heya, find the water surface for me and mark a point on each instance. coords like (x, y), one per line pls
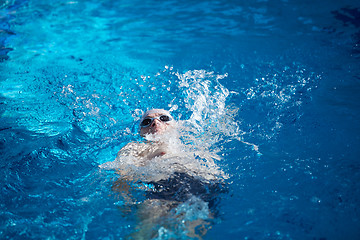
(272, 85)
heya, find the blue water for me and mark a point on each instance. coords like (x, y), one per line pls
(76, 75)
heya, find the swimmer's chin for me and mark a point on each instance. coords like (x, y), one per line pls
(160, 136)
(154, 137)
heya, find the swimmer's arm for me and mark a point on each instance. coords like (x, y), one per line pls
(122, 186)
(142, 152)
(128, 150)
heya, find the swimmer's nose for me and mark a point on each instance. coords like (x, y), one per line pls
(155, 122)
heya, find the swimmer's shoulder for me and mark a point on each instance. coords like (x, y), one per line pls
(132, 145)
(131, 149)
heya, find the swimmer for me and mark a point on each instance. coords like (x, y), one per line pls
(157, 126)
(175, 177)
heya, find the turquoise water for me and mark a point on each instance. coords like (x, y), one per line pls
(272, 85)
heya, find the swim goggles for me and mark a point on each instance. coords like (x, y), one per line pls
(148, 121)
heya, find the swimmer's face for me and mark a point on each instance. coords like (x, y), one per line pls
(156, 122)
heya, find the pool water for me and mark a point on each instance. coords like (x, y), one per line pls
(272, 86)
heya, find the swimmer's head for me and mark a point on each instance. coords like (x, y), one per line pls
(156, 121)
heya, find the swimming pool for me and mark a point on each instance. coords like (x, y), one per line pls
(272, 85)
